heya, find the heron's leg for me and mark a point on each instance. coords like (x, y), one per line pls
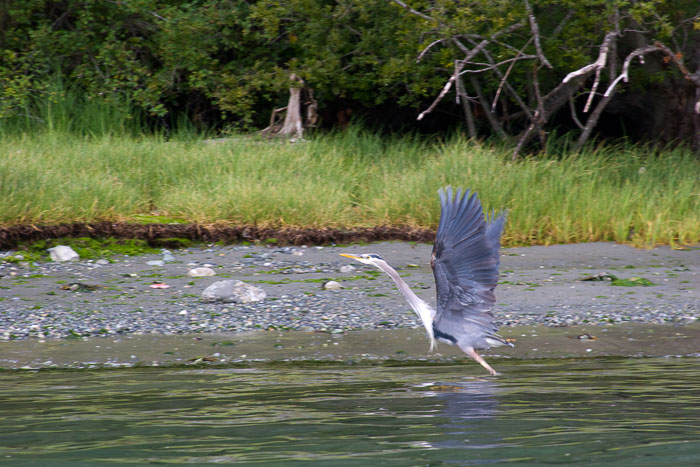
(472, 353)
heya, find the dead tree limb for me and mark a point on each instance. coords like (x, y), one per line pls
(592, 120)
(540, 116)
(657, 47)
(504, 53)
(412, 11)
(537, 122)
(425, 50)
(504, 77)
(599, 63)
(443, 93)
(511, 91)
(490, 116)
(488, 67)
(574, 117)
(596, 66)
(469, 54)
(466, 107)
(536, 35)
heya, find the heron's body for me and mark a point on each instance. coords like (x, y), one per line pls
(465, 262)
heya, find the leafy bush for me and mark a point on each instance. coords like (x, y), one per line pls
(228, 61)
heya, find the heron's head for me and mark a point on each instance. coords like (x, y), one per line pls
(366, 259)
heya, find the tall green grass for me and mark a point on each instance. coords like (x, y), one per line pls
(351, 179)
(62, 108)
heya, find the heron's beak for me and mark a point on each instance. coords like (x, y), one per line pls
(349, 256)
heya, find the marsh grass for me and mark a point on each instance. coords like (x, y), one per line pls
(62, 108)
(356, 178)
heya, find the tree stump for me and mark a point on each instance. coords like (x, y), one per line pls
(300, 112)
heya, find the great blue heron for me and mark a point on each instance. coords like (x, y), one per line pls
(465, 263)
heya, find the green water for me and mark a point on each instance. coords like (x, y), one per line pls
(643, 411)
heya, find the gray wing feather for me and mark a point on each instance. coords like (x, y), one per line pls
(465, 262)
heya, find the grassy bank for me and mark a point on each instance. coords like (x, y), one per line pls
(353, 179)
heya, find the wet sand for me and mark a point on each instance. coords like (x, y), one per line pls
(373, 346)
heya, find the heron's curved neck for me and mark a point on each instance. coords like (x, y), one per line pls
(403, 287)
(424, 311)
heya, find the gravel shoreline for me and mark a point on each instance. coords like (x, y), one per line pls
(538, 286)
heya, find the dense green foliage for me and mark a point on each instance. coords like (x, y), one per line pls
(229, 60)
(199, 57)
(349, 179)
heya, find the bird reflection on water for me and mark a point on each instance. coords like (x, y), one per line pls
(467, 407)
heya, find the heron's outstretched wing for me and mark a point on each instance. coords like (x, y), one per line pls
(465, 263)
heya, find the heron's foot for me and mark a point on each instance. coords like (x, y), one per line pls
(472, 353)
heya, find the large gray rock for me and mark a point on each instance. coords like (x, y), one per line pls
(63, 253)
(233, 291)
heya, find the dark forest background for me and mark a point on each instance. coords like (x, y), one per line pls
(514, 70)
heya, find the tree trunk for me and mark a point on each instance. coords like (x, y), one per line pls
(293, 125)
(295, 120)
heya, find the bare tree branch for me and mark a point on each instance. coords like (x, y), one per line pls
(678, 60)
(420, 56)
(490, 116)
(460, 63)
(480, 46)
(445, 90)
(562, 23)
(593, 118)
(535, 110)
(640, 52)
(536, 35)
(461, 46)
(496, 65)
(524, 138)
(505, 77)
(574, 117)
(412, 11)
(598, 64)
(540, 117)
(511, 91)
(120, 3)
(611, 88)
(466, 106)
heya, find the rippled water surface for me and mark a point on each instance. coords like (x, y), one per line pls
(642, 411)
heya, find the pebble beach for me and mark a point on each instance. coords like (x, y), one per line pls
(153, 294)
